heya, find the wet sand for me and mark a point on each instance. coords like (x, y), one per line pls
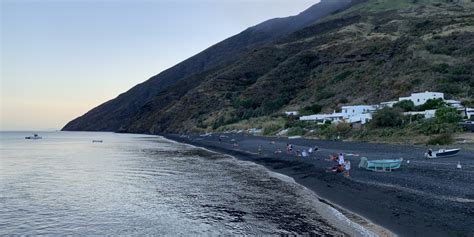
(422, 198)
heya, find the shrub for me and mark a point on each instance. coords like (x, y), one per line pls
(313, 109)
(341, 128)
(443, 139)
(405, 105)
(431, 104)
(296, 131)
(270, 129)
(447, 115)
(387, 117)
(467, 103)
(431, 126)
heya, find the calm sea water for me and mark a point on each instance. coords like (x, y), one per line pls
(137, 184)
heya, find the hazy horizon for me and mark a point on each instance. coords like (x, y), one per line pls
(61, 59)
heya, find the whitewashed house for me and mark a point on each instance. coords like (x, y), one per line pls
(427, 113)
(350, 114)
(469, 112)
(358, 109)
(322, 118)
(363, 113)
(360, 118)
(294, 113)
(453, 103)
(388, 104)
(422, 97)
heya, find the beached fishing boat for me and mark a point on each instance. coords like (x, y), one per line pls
(380, 165)
(441, 153)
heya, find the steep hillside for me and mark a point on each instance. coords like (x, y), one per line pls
(372, 52)
(117, 113)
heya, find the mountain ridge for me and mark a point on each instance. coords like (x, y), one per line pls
(374, 51)
(116, 114)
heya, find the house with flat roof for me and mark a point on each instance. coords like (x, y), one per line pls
(422, 97)
(350, 114)
(294, 113)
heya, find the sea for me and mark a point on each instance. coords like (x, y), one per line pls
(130, 184)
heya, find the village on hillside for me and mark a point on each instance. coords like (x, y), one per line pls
(362, 114)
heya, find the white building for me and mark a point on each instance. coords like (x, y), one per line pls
(360, 118)
(421, 98)
(357, 109)
(322, 118)
(294, 113)
(469, 112)
(350, 114)
(363, 113)
(453, 103)
(427, 113)
(388, 104)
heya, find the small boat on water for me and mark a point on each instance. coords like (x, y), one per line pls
(380, 165)
(441, 153)
(97, 141)
(35, 136)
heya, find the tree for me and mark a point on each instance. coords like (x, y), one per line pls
(313, 109)
(405, 105)
(432, 104)
(447, 115)
(388, 117)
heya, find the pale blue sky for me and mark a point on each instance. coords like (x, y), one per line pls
(59, 59)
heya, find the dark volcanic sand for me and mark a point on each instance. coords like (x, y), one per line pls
(422, 198)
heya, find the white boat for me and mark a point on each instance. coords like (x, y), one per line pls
(35, 136)
(97, 141)
(441, 153)
(295, 137)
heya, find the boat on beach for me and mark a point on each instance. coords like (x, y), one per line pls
(380, 165)
(441, 153)
(34, 137)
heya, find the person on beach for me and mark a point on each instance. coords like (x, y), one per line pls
(287, 148)
(340, 159)
(332, 158)
(310, 150)
(347, 168)
(340, 163)
(298, 153)
(338, 169)
(304, 153)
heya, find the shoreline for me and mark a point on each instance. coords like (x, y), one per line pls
(401, 208)
(353, 223)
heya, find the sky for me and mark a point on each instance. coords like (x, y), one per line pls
(59, 59)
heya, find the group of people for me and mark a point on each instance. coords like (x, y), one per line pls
(303, 153)
(343, 166)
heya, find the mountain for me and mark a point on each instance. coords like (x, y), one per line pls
(371, 51)
(117, 113)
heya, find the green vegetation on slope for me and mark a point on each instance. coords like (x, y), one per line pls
(352, 57)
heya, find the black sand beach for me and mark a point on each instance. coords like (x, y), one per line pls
(422, 198)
